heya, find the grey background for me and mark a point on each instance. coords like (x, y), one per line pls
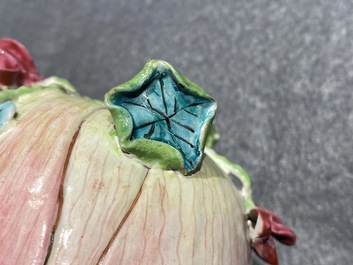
(282, 72)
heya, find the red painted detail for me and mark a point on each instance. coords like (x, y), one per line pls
(16, 65)
(271, 226)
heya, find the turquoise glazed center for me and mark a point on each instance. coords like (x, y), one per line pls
(162, 110)
(7, 110)
(162, 117)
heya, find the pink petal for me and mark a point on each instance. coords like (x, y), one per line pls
(34, 148)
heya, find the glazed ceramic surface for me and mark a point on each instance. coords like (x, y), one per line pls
(125, 181)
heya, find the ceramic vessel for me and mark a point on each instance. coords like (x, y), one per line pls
(131, 180)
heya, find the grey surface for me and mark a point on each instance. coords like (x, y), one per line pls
(282, 72)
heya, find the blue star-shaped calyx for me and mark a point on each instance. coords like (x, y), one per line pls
(162, 116)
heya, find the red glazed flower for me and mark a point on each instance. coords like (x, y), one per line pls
(16, 65)
(264, 226)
